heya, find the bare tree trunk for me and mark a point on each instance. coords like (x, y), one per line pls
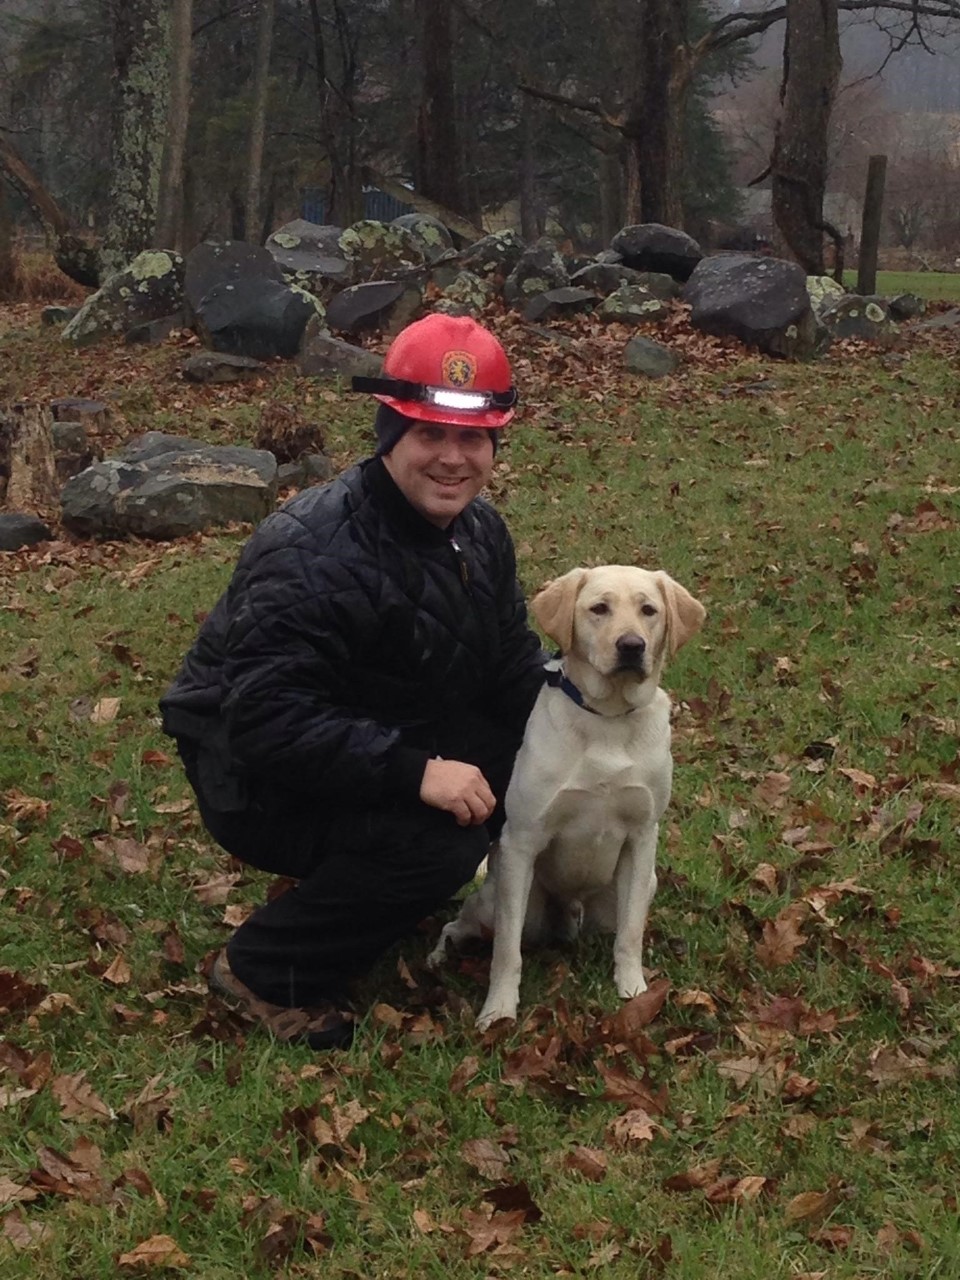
(170, 213)
(811, 71)
(337, 126)
(258, 118)
(529, 219)
(8, 274)
(611, 212)
(654, 124)
(28, 476)
(633, 186)
(438, 153)
(141, 53)
(79, 261)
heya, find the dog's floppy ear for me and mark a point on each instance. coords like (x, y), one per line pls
(553, 607)
(685, 615)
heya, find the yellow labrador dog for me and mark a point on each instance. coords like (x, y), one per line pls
(590, 782)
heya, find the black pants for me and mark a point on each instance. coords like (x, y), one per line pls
(364, 880)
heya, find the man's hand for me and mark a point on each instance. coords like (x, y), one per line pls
(458, 788)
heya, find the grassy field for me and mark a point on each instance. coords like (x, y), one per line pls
(936, 286)
(785, 1102)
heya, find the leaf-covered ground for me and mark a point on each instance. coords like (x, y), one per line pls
(782, 1102)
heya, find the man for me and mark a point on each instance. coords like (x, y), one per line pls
(349, 713)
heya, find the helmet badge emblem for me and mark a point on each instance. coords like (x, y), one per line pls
(458, 369)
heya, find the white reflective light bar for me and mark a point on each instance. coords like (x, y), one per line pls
(462, 400)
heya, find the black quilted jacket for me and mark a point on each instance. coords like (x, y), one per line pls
(356, 640)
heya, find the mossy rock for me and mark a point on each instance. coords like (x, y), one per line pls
(539, 270)
(376, 251)
(632, 304)
(149, 288)
(824, 292)
(430, 234)
(494, 255)
(466, 296)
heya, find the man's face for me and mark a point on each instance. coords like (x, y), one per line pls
(440, 469)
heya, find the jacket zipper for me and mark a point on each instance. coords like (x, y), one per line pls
(461, 564)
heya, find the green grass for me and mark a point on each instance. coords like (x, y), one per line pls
(937, 286)
(818, 521)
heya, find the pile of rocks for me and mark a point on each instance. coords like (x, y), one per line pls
(158, 486)
(312, 291)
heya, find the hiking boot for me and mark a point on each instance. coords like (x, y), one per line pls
(321, 1027)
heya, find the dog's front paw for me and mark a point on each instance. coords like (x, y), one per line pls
(630, 981)
(491, 1013)
(440, 954)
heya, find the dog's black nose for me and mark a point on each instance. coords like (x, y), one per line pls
(631, 648)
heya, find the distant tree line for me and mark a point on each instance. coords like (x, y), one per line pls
(160, 122)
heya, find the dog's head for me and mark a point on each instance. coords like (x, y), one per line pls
(615, 626)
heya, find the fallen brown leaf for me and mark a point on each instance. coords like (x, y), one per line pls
(695, 1179)
(77, 1098)
(487, 1157)
(488, 1232)
(587, 1161)
(22, 1233)
(118, 973)
(15, 1192)
(464, 1073)
(782, 938)
(633, 1126)
(156, 1252)
(810, 1206)
(105, 711)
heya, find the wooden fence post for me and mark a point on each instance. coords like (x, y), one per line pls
(870, 227)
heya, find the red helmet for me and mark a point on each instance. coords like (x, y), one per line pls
(446, 369)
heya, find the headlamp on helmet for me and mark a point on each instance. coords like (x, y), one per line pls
(446, 369)
(439, 397)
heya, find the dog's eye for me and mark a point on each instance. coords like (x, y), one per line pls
(599, 608)
(649, 611)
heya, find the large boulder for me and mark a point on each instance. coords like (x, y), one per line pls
(603, 277)
(465, 295)
(539, 268)
(309, 256)
(649, 359)
(56, 316)
(166, 486)
(495, 255)
(17, 529)
(650, 246)
(321, 355)
(216, 263)
(907, 306)
(432, 236)
(554, 304)
(376, 251)
(255, 317)
(632, 304)
(150, 288)
(866, 318)
(824, 292)
(153, 332)
(762, 301)
(378, 304)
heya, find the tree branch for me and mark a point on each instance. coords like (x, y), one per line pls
(590, 105)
